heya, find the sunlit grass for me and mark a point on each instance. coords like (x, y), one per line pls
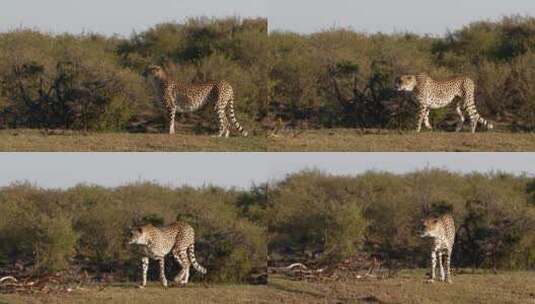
(391, 140)
(411, 287)
(35, 140)
(406, 287)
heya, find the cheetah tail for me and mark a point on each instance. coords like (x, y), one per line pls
(485, 123)
(234, 120)
(475, 116)
(193, 260)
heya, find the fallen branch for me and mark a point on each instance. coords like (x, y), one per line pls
(297, 270)
(11, 278)
(357, 267)
(294, 265)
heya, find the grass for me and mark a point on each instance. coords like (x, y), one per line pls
(34, 140)
(193, 293)
(307, 141)
(338, 140)
(410, 287)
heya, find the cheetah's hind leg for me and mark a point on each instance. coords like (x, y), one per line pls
(460, 123)
(421, 116)
(473, 125)
(223, 122)
(426, 120)
(181, 257)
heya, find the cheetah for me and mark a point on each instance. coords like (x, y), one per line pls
(435, 94)
(182, 98)
(442, 231)
(177, 238)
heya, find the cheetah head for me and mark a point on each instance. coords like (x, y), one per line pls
(138, 236)
(154, 71)
(431, 228)
(406, 83)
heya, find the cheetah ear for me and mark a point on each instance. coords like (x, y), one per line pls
(420, 78)
(167, 65)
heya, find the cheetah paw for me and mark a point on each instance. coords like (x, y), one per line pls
(180, 283)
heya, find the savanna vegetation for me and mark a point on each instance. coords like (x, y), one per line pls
(297, 89)
(407, 287)
(333, 78)
(308, 216)
(322, 219)
(83, 231)
(92, 82)
(340, 78)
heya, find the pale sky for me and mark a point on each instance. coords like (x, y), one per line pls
(417, 16)
(116, 16)
(305, 16)
(61, 170)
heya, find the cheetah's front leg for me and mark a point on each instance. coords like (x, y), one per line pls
(171, 116)
(440, 266)
(433, 266)
(144, 269)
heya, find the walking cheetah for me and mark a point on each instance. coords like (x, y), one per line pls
(189, 98)
(177, 238)
(442, 231)
(434, 94)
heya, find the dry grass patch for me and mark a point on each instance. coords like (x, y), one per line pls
(410, 287)
(390, 140)
(154, 293)
(35, 140)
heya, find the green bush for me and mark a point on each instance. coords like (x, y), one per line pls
(54, 243)
(88, 226)
(65, 82)
(342, 78)
(91, 82)
(204, 49)
(312, 215)
(32, 231)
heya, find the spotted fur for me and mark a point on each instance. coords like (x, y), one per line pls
(177, 238)
(434, 94)
(442, 232)
(182, 98)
